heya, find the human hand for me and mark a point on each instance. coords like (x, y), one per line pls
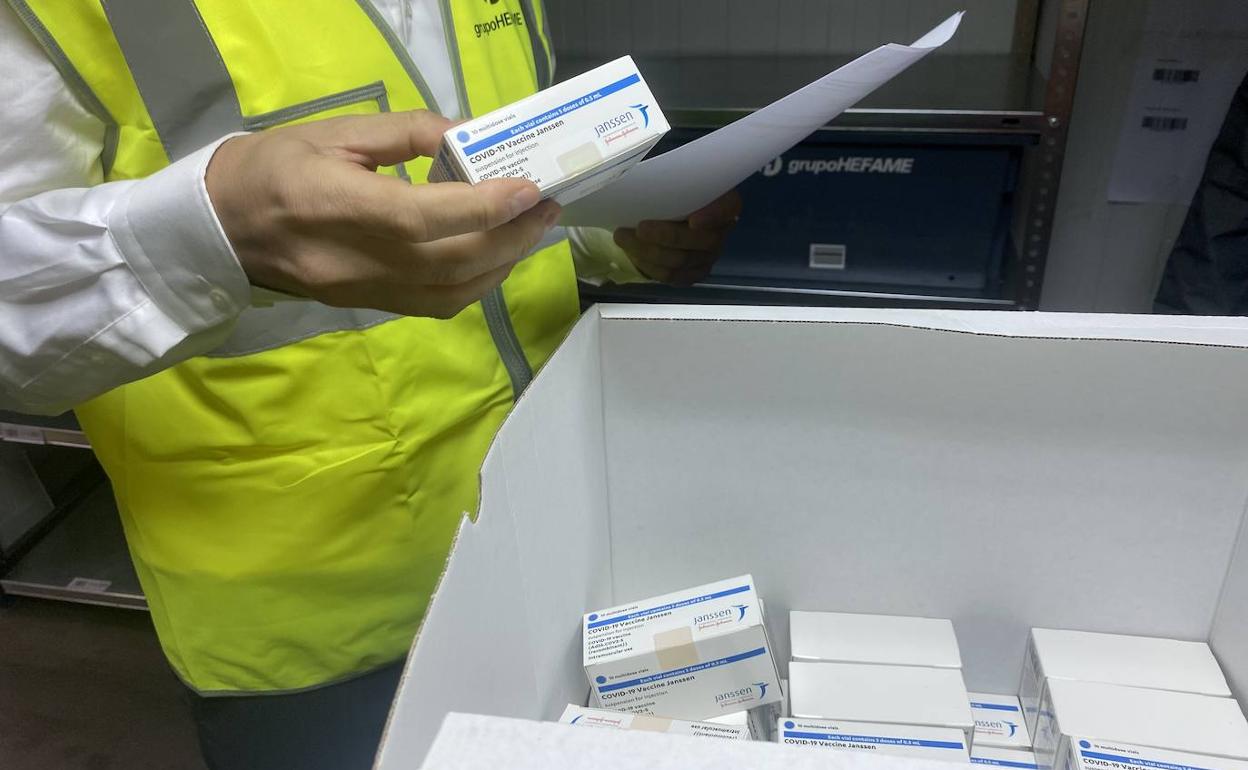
(681, 253)
(307, 215)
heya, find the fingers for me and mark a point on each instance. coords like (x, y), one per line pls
(384, 139)
(385, 206)
(718, 214)
(678, 235)
(448, 301)
(461, 258)
(663, 263)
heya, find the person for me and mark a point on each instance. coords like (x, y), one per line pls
(289, 354)
(1207, 273)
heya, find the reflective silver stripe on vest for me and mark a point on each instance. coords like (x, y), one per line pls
(179, 72)
(266, 328)
(542, 62)
(191, 99)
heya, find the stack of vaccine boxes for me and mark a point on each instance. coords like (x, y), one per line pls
(1110, 702)
(698, 655)
(877, 683)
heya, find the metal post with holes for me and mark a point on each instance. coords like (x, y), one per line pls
(1043, 170)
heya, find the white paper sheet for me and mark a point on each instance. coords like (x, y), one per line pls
(679, 182)
(1192, 57)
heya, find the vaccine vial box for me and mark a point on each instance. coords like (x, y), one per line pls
(845, 637)
(937, 743)
(1101, 755)
(906, 695)
(1136, 661)
(1179, 721)
(695, 654)
(999, 721)
(570, 139)
(1019, 759)
(587, 717)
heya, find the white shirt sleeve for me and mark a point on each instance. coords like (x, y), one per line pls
(100, 283)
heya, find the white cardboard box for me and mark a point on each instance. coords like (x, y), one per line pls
(1161, 664)
(894, 457)
(570, 139)
(1200, 724)
(692, 654)
(469, 742)
(1099, 755)
(846, 637)
(616, 720)
(906, 695)
(999, 721)
(938, 743)
(1021, 759)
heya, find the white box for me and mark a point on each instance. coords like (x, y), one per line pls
(1022, 759)
(468, 742)
(693, 654)
(891, 457)
(999, 721)
(1181, 721)
(587, 717)
(938, 743)
(908, 695)
(570, 139)
(1100, 755)
(844, 637)
(1137, 661)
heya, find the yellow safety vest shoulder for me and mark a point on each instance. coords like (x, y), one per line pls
(290, 498)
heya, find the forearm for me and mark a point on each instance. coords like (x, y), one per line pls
(104, 285)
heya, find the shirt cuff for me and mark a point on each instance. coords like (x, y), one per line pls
(599, 260)
(170, 236)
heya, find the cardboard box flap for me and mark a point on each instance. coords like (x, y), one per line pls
(469, 742)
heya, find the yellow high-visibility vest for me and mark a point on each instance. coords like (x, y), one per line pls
(290, 498)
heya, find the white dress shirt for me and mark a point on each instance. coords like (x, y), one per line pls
(104, 283)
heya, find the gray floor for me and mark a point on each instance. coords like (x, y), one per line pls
(87, 688)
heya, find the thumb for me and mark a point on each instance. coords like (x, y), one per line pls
(381, 140)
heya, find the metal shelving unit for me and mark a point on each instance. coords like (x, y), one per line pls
(81, 557)
(78, 551)
(1026, 92)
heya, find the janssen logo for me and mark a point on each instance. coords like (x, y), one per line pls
(1009, 728)
(755, 692)
(619, 121)
(733, 614)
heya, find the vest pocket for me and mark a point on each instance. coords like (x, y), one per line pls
(369, 99)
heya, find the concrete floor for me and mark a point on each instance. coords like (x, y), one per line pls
(87, 688)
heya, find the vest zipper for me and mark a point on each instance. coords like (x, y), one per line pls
(498, 320)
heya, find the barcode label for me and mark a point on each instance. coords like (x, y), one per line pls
(1156, 123)
(88, 585)
(1166, 75)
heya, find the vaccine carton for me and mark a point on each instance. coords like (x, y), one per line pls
(1179, 721)
(695, 654)
(905, 695)
(1135, 661)
(1019, 759)
(999, 721)
(1101, 755)
(587, 717)
(895, 740)
(846, 637)
(570, 139)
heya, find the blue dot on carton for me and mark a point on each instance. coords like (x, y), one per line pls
(1085, 744)
(600, 680)
(788, 725)
(593, 616)
(462, 136)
